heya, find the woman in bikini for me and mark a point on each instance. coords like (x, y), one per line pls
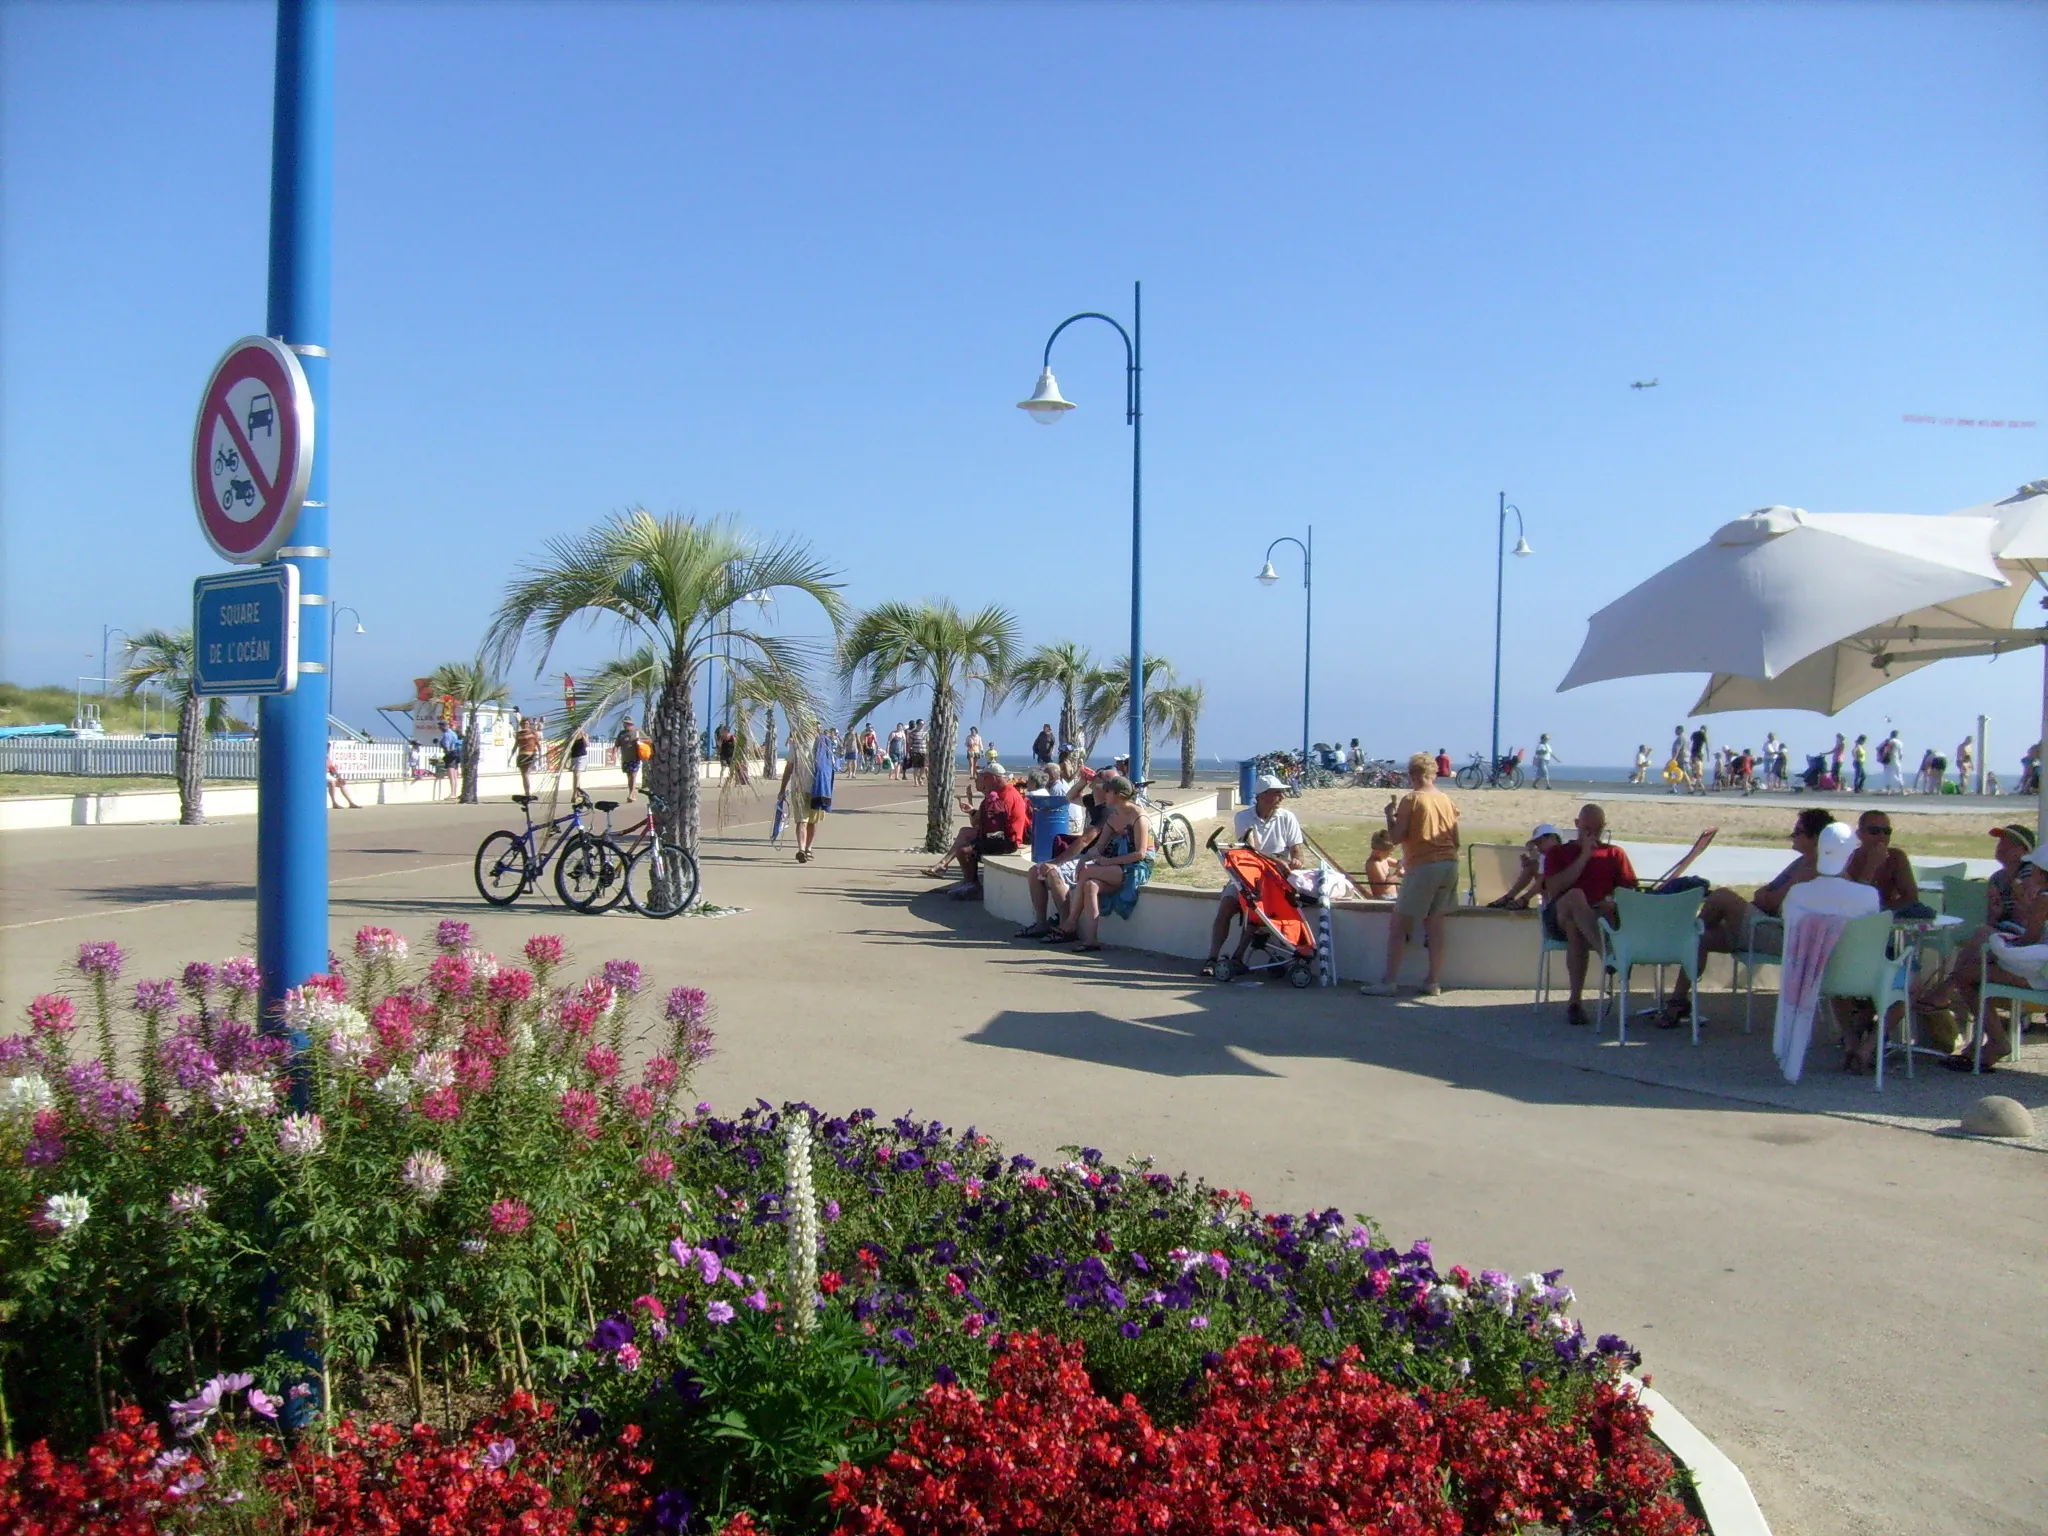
(1110, 871)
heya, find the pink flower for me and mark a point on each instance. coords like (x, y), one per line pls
(629, 1357)
(622, 976)
(379, 944)
(601, 1063)
(450, 975)
(262, 1404)
(509, 1218)
(578, 1019)
(581, 1113)
(241, 976)
(513, 986)
(687, 1005)
(652, 1306)
(443, 1104)
(659, 1167)
(954, 1283)
(1037, 1181)
(51, 1015)
(546, 949)
(639, 1103)
(393, 1021)
(973, 1324)
(661, 1074)
(452, 936)
(697, 1044)
(199, 979)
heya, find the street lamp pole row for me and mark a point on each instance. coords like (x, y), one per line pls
(1522, 550)
(1267, 577)
(1046, 407)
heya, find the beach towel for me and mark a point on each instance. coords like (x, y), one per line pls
(1809, 941)
(2029, 962)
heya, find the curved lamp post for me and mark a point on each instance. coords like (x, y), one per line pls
(333, 624)
(1046, 407)
(1267, 577)
(1522, 549)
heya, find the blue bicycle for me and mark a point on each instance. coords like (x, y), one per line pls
(509, 864)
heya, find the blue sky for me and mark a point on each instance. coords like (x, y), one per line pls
(797, 263)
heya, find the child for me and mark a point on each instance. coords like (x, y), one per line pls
(1383, 869)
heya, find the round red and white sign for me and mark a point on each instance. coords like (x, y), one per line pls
(252, 450)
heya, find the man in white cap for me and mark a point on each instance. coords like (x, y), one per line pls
(1529, 880)
(1831, 900)
(1265, 826)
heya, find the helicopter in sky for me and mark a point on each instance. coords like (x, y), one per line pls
(1644, 384)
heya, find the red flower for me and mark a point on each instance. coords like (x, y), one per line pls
(829, 1282)
(443, 1104)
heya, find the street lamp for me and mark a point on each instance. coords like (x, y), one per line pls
(1500, 535)
(107, 632)
(334, 619)
(1046, 406)
(1267, 577)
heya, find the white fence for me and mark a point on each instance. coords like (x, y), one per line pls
(91, 757)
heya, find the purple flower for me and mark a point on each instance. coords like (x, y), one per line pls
(1198, 1321)
(107, 1102)
(241, 976)
(758, 1300)
(187, 1062)
(188, 1202)
(499, 1453)
(262, 1404)
(686, 1005)
(100, 960)
(613, 1333)
(719, 1312)
(623, 976)
(190, 1416)
(199, 979)
(155, 996)
(452, 936)
(904, 1337)
(831, 1210)
(16, 1052)
(1130, 1330)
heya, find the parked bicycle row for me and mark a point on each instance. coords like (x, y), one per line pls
(594, 867)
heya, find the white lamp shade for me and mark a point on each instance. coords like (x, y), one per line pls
(359, 628)
(1045, 405)
(1268, 576)
(1522, 547)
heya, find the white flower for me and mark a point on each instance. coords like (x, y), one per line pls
(189, 1202)
(308, 1009)
(485, 966)
(424, 1174)
(348, 1038)
(23, 1098)
(301, 1135)
(433, 1071)
(242, 1093)
(394, 1087)
(1449, 1295)
(67, 1213)
(801, 1201)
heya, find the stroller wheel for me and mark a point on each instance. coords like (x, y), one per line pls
(1299, 976)
(1224, 969)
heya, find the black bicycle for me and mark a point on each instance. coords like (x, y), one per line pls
(1506, 774)
(596, 869)
(509, 864)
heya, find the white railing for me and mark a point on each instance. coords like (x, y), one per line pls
(96, 757)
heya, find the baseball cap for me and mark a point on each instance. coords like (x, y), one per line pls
(2023, 835)
(1545, 829)
(1836, 842)
(1270, 781)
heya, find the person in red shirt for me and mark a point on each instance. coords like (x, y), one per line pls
(1579, 881)
(1443, 765)
(1001, 824)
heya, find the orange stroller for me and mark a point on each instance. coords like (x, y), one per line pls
(1279, 937)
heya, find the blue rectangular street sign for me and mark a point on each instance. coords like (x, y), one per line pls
(245, 631)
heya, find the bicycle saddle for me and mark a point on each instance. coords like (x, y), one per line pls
(522, 799)
(606, 805)
(1146, 783)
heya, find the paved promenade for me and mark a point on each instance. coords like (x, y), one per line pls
(1854, 1311)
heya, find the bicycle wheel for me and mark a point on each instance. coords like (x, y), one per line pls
(1177, 840)
(1471, 776)
(590, 873)
(661, 880)
(1512, 779)
(502, 873)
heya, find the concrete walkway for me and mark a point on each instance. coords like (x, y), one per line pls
(1852, 1310)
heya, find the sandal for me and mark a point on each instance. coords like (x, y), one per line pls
(1674, 1015)
(1087, 949)
(1059, 936)
(1035, 931)
(1208, 969)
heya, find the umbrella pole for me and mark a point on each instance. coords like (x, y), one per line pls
(2040, 777)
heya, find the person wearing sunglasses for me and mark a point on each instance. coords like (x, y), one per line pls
(1728, 923)
(1877, 863)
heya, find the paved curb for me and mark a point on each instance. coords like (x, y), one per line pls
(1723, 1491)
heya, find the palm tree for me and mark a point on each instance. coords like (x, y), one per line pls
(676, 586)
(1180, 710)
(1060, 668)
(1108, 698)
(474, 685)
(898, 646)
(165, 657)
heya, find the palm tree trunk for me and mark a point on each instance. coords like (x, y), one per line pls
(191, 761)
(672, 770)
(1070, 721)
(938, 777)
(472, 741)
(1187, 757)
(768, 768)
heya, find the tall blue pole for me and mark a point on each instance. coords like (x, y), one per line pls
(291, 815)
(1500, 530)
(1137, 533)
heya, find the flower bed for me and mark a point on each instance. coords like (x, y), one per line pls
(465, 1195)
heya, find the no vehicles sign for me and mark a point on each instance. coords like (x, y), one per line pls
(252, 450)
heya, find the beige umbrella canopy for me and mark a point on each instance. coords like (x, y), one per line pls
(1976, 624)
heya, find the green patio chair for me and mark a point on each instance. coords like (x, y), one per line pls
(1546, 946)
(1931, 878)
(1654, 930)
(1863, 966)
(2021, 999)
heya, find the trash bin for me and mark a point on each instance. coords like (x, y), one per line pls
(1247, 775)
(1048, 821)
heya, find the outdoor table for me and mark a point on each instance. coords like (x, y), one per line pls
(1919, 930)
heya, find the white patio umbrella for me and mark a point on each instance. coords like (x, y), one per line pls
(1980, 624)
(1774, 587)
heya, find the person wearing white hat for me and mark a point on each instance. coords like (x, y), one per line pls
(1529, 879)
(1265, 826)
(1831, 900)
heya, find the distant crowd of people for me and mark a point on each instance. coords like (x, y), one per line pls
(1695, 765)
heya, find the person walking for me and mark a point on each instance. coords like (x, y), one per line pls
(1860, 761)
(1042, 745)
(1546, 754)
(916, 745)
(451, 759)
(1425, 823)
(1966, 755)
(579, 749)
(896, 750)
(1697, 763)
(628, 743)
(1642, 773)
(824, 775)
(1839, 751)
(526, 751)
(1891, 755)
